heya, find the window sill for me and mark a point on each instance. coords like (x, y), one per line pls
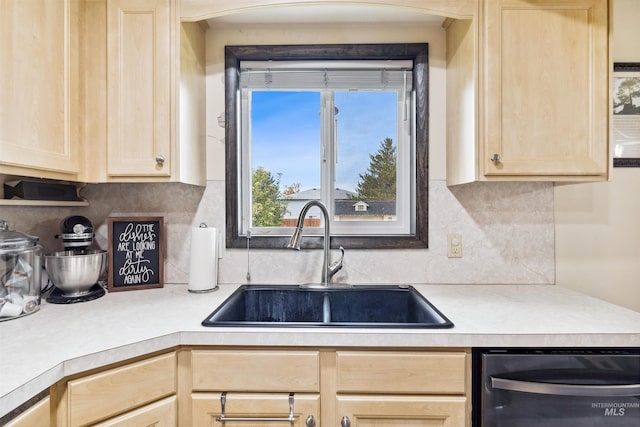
(347, 242)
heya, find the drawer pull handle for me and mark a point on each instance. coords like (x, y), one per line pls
(621, 390)
(160, 160)
(345, 422)
(495, 158)
(290, 419)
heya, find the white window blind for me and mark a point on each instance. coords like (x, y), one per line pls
(336, 75)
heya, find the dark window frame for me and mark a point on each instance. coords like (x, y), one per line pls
(418, 52)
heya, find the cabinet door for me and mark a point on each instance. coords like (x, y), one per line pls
(159, 414)
(139, 63)
(206, 407)
(544, 73)
(34, 89)
(115, 391)
(400, 411)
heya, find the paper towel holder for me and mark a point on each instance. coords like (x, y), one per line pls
(204, 268)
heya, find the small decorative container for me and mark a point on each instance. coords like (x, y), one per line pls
(20, 273)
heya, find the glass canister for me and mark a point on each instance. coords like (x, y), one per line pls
(20, 273)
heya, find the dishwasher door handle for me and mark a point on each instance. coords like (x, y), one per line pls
(623, 390)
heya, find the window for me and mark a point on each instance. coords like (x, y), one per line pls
(342, 124)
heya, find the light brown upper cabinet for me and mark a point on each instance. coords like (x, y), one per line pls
(139, 63)
(149, 53)
(527, 92)
(143, 93)
(36, 110)
(101, 91)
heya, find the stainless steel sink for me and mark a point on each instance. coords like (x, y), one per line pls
(348, 306)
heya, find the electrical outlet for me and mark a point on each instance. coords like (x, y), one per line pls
(454, 245)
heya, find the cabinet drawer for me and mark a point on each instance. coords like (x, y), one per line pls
(117, 390)
(263, 371)
(401, 372)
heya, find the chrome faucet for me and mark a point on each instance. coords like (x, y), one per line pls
(328, 271)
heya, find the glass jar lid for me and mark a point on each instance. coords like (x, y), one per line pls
(11, 240)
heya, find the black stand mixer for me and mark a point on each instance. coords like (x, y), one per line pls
(76, 271)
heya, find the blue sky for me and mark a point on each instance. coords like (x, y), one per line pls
(286, 134)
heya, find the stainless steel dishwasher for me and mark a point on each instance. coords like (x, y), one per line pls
(556, 388)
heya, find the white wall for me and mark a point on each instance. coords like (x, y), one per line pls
(598, 225)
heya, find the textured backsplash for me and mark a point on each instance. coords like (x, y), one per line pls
(507, 235)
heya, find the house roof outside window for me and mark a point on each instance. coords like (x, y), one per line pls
(346, 204)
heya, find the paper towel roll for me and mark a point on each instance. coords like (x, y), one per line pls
(203, 270)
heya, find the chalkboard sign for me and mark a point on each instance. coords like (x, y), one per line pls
(136, 253)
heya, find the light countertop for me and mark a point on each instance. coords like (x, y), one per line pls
(60, 340)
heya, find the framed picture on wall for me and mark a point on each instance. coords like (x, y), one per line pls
(136, 253)
(626, 114)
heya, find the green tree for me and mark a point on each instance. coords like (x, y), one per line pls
(267, 204)
(379, 182)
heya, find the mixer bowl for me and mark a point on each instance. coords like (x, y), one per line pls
(75, 273)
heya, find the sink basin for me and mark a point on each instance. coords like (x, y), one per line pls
(348, 306)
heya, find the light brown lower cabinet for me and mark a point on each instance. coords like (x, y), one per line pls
(400, 411)
(256, 409)
(163, 413)
(401, 388)
(37, 415)
(255, 385)
(346, 388)
(117, 396)
(249, 387)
